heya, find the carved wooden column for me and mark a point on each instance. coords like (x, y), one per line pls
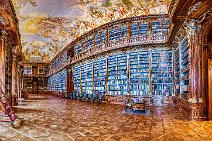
(68, 80)
(195, 74)
(128, 30)
(14, 80)
(1, 66)
(72, 80)
(2, 60)
(197, 105)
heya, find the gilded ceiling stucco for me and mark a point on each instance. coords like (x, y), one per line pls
(47, 26)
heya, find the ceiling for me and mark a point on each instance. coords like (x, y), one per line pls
(47, 26)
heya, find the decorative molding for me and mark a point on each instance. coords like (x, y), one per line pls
(194, 8)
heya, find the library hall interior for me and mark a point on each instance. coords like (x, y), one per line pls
(105, 70)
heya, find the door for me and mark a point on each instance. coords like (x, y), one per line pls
(210, 89)
(35, 87)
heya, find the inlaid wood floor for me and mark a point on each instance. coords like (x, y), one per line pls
(52, 118)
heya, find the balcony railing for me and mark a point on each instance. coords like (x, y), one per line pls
(122, 42)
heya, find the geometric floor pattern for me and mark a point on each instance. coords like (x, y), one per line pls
(53, 118)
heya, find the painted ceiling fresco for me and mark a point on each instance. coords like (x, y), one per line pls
(47, 26)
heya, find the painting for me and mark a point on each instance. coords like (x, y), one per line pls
(47, 26)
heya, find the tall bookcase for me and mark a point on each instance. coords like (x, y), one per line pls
(57, 82)
(89, 78)
(156, 76)
(167, 72)
(100, 75)
(134, 73)
(77, 79)
(122, 77)
(177, 71)
(83, 77)
(134, 29)
(184, 69)
(8, 67)
(140, 73)
(112, 77)
(144, 65)
(162, 72)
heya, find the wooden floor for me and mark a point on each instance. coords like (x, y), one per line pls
(52, 118)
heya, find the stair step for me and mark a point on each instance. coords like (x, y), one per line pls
(11, 113)
(8, 108)
(13, 118)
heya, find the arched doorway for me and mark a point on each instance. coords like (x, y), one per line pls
(207, 67)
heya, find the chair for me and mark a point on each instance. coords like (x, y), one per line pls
(128, 104)
(93, 97)
(75, 95)
(100, 98)
(71, 95)
(80, 96)
(90, 97)
(86, 97)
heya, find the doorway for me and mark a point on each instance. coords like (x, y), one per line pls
(35, 86)
(210, 88)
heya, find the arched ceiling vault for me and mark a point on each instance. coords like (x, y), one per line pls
(47, 26)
